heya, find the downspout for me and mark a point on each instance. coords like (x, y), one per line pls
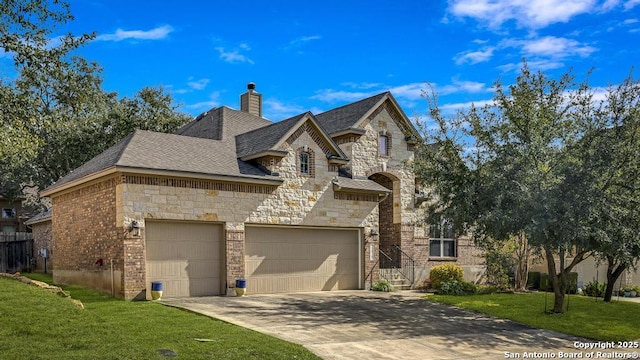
(113, 292)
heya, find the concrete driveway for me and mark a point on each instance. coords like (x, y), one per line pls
(375, 325)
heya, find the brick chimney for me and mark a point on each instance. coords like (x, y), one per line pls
(251, 101)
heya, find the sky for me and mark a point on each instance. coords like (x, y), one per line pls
(317, 55)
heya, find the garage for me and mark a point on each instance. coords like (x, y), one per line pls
(185, 256)
(292, 259)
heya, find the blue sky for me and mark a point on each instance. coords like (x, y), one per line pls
(322, 54)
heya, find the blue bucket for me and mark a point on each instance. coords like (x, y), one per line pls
(241, 283)
(156, 286)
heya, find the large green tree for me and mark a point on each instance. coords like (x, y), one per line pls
(610, 159)
(519, 166)
(56, 114)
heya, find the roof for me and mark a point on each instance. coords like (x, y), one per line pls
(41, 217)
(345, 117)
(217, 142)
(170, 152)
(360, 185)
(222, 123)
(265, 138)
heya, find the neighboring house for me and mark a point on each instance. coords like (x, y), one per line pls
(41, 229)
(12, 217)
(591, 269)
(303, 204)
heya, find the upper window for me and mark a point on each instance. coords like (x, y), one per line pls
(384, 144)
(306, 162)
(8, 213)
(442, 242)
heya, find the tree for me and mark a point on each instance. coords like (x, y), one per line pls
(611, 159)
(56, 115)
(508, 169)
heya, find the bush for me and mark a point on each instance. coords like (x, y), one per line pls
(382, 285)
(455, 287)
(443, 273)
(594, 288)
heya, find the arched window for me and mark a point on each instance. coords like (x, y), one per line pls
(304, 163)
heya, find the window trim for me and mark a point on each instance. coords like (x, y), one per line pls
(387, 147)
(442, 240)
(311, 163)
(8, 213)
(303, 157)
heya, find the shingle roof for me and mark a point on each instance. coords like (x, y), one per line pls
(344, 117)
(362, 185)
(43, 216)
(222, 123)
(159, 151)
(265, 138)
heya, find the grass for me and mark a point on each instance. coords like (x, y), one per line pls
(37, 324)
(586, 317)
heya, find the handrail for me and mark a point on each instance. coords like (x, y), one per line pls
(407, 264)
(370, 274)
(400, 261)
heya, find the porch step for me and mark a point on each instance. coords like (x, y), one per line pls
(400, 284)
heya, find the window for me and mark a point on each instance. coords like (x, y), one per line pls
(383, 145)
(304, 163)
(442, 242)
(8, 213)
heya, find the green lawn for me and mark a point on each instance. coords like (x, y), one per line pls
(586, 317)
(37, 324)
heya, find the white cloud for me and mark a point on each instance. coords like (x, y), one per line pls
(630, 21)
(276, 110)
(526, 13)
(233, 56)
(197, 84)
(304, 39)
(330, 95)
(553, 47)
(362, 85)
(158, 33)
(631, 4)
(474, 57)
(462, 87)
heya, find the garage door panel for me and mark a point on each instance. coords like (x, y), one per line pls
(301, 259)
(185, 256)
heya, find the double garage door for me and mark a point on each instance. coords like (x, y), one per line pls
(188, 258)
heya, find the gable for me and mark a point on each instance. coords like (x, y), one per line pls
(395, 113)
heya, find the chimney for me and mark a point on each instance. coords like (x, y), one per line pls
(251, 101)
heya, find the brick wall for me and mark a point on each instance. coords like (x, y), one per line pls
(42, 232)
(85, 232)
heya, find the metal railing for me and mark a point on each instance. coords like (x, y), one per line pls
(400, 261)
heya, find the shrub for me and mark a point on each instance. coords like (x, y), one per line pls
(594, 288)
(572, 282)
(382, 285)
(455, 287)
(443, 273)
(545, 283)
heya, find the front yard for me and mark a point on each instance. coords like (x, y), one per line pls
(587, 316)
(37, 324)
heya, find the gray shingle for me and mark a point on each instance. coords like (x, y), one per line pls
(344, 117)
(265, 138)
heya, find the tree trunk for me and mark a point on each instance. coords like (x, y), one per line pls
(523, 252)
(556, 281)
(613, 273)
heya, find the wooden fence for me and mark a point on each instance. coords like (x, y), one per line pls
(16, 252)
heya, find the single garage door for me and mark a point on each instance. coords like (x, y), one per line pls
(289, 259)
(185, 257)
